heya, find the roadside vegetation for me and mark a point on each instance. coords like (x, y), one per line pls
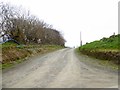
(26, 28)
(33, 35)
(13, 54)
(106, 49)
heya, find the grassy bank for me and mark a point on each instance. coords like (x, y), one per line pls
(106, 49)
(14, 54)
(96, 62)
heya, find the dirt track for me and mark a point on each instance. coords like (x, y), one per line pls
(60, 69)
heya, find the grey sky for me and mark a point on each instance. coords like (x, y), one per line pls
(94, 18)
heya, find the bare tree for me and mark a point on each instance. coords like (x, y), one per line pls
(26, 28)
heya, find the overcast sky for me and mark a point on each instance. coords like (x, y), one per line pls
(94, 18)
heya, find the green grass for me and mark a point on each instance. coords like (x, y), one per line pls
(107, 50)
(105, 43)
(9, 44)
(8, 64)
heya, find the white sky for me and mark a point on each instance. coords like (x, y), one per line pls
(94, 18)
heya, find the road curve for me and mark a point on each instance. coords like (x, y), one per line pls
(59, 69)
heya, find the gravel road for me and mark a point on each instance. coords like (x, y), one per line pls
(59, 69)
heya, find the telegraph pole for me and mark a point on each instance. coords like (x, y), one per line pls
(80, 39)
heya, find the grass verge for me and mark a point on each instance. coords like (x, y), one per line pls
(13, 54)
(97, 62)
(106, 50)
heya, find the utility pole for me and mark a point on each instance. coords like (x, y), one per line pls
(80, 39)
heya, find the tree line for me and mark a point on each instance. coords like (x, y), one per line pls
(27, 28)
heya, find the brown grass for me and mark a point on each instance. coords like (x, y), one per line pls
(12, 54)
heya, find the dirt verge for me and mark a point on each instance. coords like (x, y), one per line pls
(109, 55)
(14, 55)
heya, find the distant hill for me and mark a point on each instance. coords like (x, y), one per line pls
(104, 49)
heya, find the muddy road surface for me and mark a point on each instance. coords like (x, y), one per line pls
(59, 69)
